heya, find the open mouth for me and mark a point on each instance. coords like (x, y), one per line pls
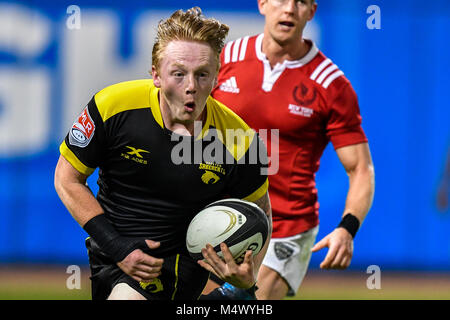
(287, 24)
(189, 106)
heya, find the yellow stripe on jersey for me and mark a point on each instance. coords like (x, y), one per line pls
(154, 102)
(74, 161)
(176, 276)
(236, 135)
(259, 192)
(124, 96)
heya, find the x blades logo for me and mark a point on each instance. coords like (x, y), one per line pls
(135, 155)
(137, 152)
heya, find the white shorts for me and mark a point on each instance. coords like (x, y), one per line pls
(290, 257)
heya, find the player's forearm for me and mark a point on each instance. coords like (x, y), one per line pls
(79, 201)
(361, 191)
(74, 193)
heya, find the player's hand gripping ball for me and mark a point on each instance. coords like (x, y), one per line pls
(240, 224)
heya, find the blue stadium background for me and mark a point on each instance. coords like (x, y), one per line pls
(400, 72)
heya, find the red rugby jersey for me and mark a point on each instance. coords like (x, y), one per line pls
(310, 102)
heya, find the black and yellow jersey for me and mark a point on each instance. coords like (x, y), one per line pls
(153, 181)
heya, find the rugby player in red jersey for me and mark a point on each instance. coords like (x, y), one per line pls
(280, 80)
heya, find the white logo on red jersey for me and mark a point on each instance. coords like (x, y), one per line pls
(230, 85)
(82, 130)
(300, 111)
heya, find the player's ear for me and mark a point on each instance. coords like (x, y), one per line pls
(156, 78)
(312, 11)
(262, 6)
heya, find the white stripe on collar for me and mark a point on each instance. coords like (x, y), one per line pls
(289, 63)
(271, 75)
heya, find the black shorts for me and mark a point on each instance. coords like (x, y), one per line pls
(181, 277)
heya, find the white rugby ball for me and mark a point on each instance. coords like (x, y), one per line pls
(240, 224)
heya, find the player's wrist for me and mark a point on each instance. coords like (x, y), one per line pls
(109, 240)
(350, 223)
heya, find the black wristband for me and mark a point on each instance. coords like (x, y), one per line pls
(350, 223)
(109, 240)
(251, 291)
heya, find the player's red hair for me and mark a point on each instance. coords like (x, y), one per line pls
(191, 26)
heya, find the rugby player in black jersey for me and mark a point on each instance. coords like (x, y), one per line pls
(148, 193)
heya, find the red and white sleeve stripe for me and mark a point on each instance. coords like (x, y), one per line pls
(326, 73)
(235, 50)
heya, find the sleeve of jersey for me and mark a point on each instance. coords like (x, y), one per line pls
(249, 179)
(344, 123)
(84, 144)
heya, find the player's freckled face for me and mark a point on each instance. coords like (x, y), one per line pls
(186, 76)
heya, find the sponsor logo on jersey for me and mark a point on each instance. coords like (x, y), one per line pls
(212, 167)
(135, 155)
(209, 177)
(300, 111)
(137, 152)
(303, 96)
(230, 85)
(82, 130)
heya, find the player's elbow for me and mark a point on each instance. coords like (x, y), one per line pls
(369, 172)
(363, 169)
(363, 175)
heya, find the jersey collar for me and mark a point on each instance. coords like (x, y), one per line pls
(288, 63)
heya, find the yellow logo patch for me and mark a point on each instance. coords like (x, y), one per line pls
(210, 177)
(153, 286)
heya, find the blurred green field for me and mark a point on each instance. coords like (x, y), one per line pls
(351, 285)
(49, 283)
